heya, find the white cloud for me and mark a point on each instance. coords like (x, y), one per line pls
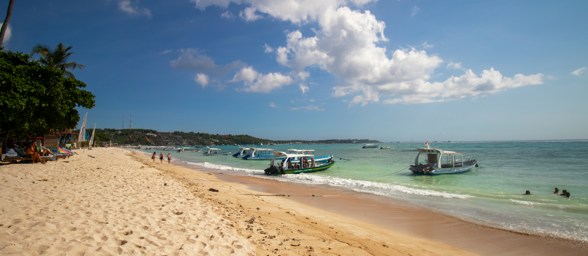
(193, 59)
(469, 84)
(580, 71)
(249, 14)
(262, 83)
(202, 79)
(267, 48)
(454, 65)
(273, 105)
(132, 7)
(303, 88)
(8, 33)
(350, 45)
(227, 15)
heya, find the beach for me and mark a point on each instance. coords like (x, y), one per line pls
(109, 201)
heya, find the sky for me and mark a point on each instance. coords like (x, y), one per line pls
(459, 70)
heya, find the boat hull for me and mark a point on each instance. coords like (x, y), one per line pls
(273, 170)
(426, 170)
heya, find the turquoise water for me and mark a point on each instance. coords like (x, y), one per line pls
(491, 194)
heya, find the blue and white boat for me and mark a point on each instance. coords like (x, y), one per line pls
(434, 161)
(286, 163)
(260, 154)
(243, 151)
(310, 152)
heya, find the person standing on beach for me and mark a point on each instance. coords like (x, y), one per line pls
(153, 156)
(168, 158)
(161, 157)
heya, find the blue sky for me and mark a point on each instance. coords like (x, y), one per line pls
(388, 70)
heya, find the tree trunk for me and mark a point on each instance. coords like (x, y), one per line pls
(5, 24)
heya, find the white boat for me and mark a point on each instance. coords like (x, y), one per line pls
(243, 151)
(212, 151)
(260, 154)
(369, 145)
(433, 161)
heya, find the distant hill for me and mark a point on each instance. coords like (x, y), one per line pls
(156, 138)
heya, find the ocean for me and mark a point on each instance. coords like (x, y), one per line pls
(491, 194)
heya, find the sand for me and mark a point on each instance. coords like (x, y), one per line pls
(109, 201)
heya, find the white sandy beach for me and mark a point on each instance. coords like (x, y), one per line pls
(109, 201)
(101, 202)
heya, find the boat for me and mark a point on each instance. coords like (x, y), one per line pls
(385, 147)
(212, 151)
(434, 161)
(297, 163)
(308, 152)
(242, 152)
(369, 145)
(260, 154)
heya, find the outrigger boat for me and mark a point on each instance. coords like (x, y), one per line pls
(308, 152)
(242, 152)
(297, 163)
(212, 151)
(259, 154)
(433, 161)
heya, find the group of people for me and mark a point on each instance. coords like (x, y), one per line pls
(169, 157)
(564, 192)
(35, 154)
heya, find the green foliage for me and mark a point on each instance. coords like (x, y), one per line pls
(57, 58)
(36, 98)
(154, 138)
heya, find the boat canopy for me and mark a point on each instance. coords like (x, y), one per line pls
(437, 151)
(261, 149)
(301, 151)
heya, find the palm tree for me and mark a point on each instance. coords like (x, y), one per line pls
(57, 58)
(5, 24)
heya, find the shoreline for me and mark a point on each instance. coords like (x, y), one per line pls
(416, 221)
(410, 219)
(117, 201)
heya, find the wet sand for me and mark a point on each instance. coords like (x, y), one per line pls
(415, 221)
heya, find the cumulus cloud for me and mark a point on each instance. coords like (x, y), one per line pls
(201, 79)
(580, 71)
(249, 14)
(263, 83)
(132, 7)
(350, 44)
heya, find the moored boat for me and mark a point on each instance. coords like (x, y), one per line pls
(243, 151)
(434, 161)
(308, 152)
(212, 151)
(369, 145)
(259, 154)
(297, 163)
